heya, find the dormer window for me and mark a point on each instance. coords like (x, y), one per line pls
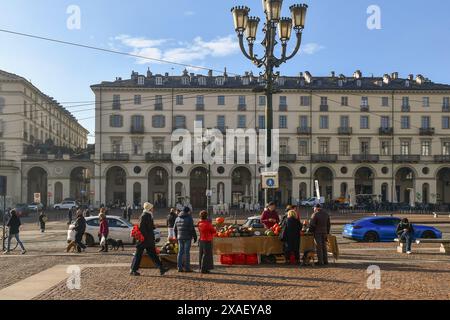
(219, 81)
(185, 81)
(141, 80)
(407, 83)
(202, 81)
(280, 81)
(340, 83)
(358, 83)
(159, 81)
(246, 81)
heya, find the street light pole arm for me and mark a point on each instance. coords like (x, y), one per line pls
(297, 47)
(250, 55)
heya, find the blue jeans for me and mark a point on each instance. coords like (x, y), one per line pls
(407, 237)
(17, 239)
(184, 255)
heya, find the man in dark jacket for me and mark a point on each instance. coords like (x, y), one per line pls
(320, 226)
(14, 228)
(405, 232)
(185, 231)
(129, 212)
(80, 228)
(147, 227)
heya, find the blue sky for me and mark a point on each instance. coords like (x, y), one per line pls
(413, 39)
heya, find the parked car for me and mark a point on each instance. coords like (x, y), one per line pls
(65, 205)
(383, 229)
(119, 229)
(311, 202)
(22, 209)
(35, 206)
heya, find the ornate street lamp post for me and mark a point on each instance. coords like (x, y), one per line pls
(248, 26)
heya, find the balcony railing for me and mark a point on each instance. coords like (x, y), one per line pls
(304, 130)
(366, 158)
(345, 130)
(242, 107)
(406, 108)
(442, 158)
(7, 163)
(200, 107)
(116, 157)
(365, 109)
(385, 131)
(137, 130)
(288, 157)
(158, 157)
(328, 158)
(412, 158)
(324, 108)
(427, 131)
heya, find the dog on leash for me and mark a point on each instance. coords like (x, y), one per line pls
(308, 258)
(71, 246)
(115, 244)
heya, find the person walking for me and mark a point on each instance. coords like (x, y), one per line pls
(80, 228)
(170, 223)
(129, 213)
(125, 213)
(405, 232)
(103, 232)
(207, 232)
(270, 216)
(291, 236)
(70, 215)
(14, 224)
(42, 220)
(146, 228)
(320, 226)
(184, 232)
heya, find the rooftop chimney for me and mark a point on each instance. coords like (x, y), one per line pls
(386, 78)
(411, 77)
(210, 73)
(394, 76)
(149, 73)
(420, 79)
(333, 74)
(357, 74)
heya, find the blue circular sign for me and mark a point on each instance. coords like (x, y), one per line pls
(270, 182)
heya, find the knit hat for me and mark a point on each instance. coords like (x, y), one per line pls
(148, 206)
(186, 210)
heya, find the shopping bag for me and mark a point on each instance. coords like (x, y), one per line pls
(103, 241)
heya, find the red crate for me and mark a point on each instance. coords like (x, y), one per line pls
(251, 259)
(226, 259)
(240, 259)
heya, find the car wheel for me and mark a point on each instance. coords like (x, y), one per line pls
(56, 208)
(371, 236)
(428, 235)
(89, 240)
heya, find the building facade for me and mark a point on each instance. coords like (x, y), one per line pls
(39, 139)
(383, 136)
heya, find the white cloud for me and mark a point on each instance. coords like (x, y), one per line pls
(179, 51)
(139, 42)
(311, 48)
(189, 13)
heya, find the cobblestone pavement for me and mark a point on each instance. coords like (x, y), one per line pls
(423, 275)
(342, 281)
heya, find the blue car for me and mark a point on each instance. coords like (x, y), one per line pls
(383, 229)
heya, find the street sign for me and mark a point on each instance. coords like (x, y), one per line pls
(269, 180)
(37, 198)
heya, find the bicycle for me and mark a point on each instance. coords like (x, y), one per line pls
(13, 245)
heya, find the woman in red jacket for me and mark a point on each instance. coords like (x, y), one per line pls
(103, 232)
(207, 232)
